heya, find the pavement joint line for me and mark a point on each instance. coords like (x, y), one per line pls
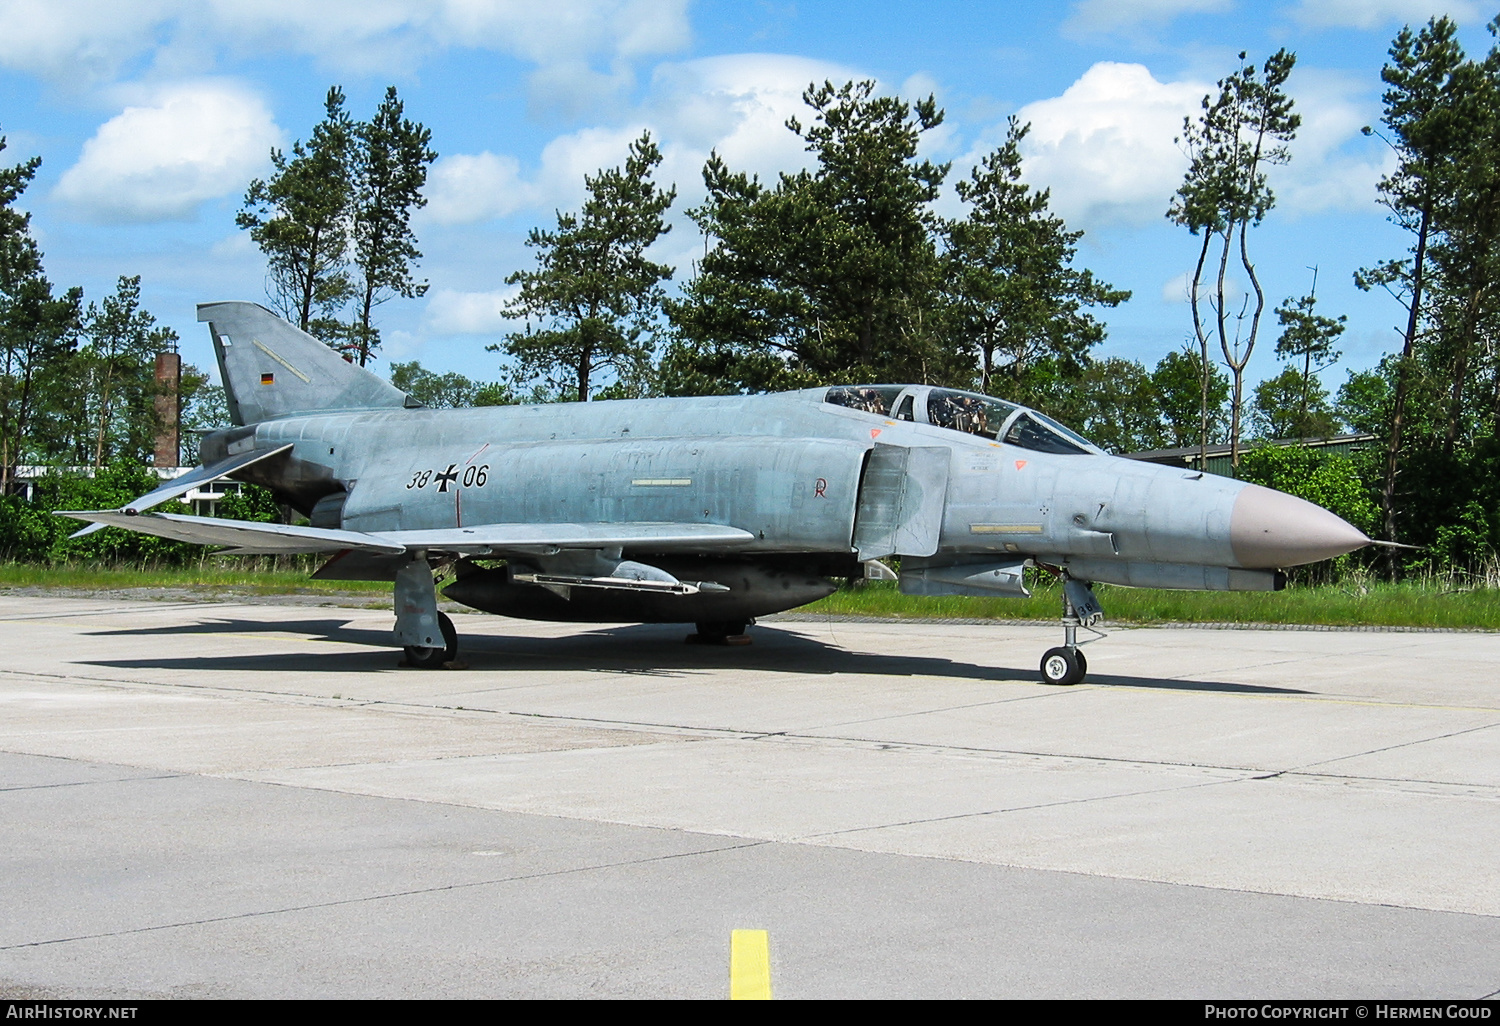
(85, 783)
(1445, 784)
(1389, 748)
(1022, 808)
(725, 733)
(806, 841)
(757, 842)
(1052, 693)
(313, 906)
(1283, 696)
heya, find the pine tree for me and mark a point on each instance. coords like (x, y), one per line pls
(1425, 80)
(832, 273)
(1308, 336)
(594, 294)
(390, 160)
(1009, 275)
(1225, 193)
(37, 329)
(300, 218)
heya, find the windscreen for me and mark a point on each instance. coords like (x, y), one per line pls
(1037, 433)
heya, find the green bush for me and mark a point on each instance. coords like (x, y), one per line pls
(31, 532)
(1331, 480)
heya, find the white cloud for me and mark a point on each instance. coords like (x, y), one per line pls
(737, 105)
(450, 312)
(1371, 14)
(1105, 146)
(465, 188)
(1323, 173)
(157, 162)
(62, 38)
(1110, 15)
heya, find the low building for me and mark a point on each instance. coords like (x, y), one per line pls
(202, 501)
(1218, 455)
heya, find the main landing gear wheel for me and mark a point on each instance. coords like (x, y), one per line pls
(719, 632)
(434, 658)
(1064, 666)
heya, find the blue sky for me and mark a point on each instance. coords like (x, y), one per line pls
(151, 118)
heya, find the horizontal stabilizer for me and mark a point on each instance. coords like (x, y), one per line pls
(187, 482)
(244, 536)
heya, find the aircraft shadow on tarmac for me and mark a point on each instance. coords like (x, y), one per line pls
(647, 649)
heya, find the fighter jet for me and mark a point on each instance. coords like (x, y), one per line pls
(707, 511)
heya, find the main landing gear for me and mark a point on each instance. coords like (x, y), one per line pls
(427, 636)
(1068, 665)
(434, 658)
(720, 632)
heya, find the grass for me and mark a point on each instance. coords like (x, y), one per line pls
(212, 577)
(1408, 604)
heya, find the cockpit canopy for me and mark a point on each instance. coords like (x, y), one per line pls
(968, 412)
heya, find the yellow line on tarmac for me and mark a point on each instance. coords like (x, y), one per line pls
(749, 965)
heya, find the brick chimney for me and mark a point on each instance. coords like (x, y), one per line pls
(168, 409)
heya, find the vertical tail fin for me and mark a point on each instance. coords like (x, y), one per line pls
(272, 369)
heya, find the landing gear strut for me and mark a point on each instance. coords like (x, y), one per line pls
(1068, 665)
(426, 635)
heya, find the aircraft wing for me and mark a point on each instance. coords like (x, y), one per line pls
(244, 536)
(187, 482)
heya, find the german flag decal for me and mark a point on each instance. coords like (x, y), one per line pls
(268, 378)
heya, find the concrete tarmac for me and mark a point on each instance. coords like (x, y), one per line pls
(256, 801)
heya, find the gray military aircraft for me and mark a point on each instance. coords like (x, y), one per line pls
(709, 511)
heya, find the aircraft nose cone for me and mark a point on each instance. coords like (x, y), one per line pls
(1270, 529)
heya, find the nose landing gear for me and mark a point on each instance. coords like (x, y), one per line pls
(1068, 665)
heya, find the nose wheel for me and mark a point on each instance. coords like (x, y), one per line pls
(1064, 666)
(1068, 664)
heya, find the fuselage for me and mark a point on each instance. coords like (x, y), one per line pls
(795, 471)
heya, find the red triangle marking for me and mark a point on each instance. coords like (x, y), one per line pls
(874, 432)
(1020, 464)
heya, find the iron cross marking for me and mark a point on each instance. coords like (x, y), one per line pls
(447, 477)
